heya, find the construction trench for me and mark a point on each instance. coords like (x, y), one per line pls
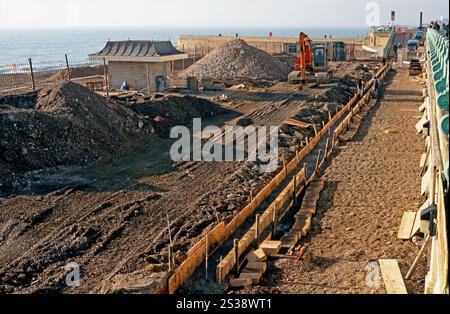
(136, 222)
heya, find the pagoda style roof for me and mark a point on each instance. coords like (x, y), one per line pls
(139, 51)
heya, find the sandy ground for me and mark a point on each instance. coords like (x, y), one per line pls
(369, 184)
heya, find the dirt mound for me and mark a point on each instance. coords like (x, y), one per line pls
(169, 111)
(237, 59)
(67, 125)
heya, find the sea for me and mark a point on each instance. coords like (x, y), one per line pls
(50, 45)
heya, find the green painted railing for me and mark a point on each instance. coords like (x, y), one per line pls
(438, 44)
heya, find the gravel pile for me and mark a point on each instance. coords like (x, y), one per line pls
(236, 59)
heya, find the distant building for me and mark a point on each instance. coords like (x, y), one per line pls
(139, 63)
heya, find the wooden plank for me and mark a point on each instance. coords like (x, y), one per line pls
(255, 267)
(295, 122)
(392, 276)
(270, 247)
(416, 227)
(240, 282)
(257, 256)
(254, 277)
(406, 226)
(425, 186)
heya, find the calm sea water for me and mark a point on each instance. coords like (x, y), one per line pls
(17, 45)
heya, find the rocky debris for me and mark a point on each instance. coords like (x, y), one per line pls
(237, 59)
(168, 111)
(66, 124)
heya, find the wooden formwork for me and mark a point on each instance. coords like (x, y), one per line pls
(196, 256)
(222, 232)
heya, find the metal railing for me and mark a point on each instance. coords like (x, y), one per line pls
(436, 176)
(30, 75)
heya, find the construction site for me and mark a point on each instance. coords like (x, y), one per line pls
(357, 204)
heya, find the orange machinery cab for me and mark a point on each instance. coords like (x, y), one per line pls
(311, 63)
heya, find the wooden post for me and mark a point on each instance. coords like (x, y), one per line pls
(105, 74)
(323, 124)
(236, 256)
(274, 221)
(315, 130)
(417, 259)
(257, 231)
(306, 170)
(172, 67)
(251, 196)
(33, 85)
(219, 279)
(206, 256)
(195, 53)
(318, 159)
(148, 78)
(294, 194)
(326, 149)
(284, 166)
(68, 67)
(329, 116)
(202, 51)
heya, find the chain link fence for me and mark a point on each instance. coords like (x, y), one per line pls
(31, 75)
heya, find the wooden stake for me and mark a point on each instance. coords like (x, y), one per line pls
(306, 170)
(68, 68)
(206, 256)
(326, 149)
(236, 256)
(274, 221)
(416, 260)
(33, 85)
(105, 74)
(318, 159)
(294, 194)
(257, 231)
(315, 129)
(220, 270)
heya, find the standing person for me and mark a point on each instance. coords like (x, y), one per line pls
(396, 50)
(383, 61)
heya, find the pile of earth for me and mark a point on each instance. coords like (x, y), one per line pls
(66, 124)
(168, 111)
(237, 59)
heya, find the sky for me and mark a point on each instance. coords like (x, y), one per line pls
(210, 13)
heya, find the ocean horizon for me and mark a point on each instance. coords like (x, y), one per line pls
(50, 45)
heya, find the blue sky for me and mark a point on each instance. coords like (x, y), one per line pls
(208, 13)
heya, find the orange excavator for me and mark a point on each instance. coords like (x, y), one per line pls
(311, 62)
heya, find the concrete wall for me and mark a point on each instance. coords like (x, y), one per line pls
(135, 73)
(378, 39)
(201, 45)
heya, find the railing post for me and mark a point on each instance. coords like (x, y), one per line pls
(67, 66)
(33, 85)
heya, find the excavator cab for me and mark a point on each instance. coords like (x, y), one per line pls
(311, 63)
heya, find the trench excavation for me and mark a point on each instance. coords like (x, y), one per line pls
(209, 278)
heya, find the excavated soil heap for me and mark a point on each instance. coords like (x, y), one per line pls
(66, 124)
(237, 59)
